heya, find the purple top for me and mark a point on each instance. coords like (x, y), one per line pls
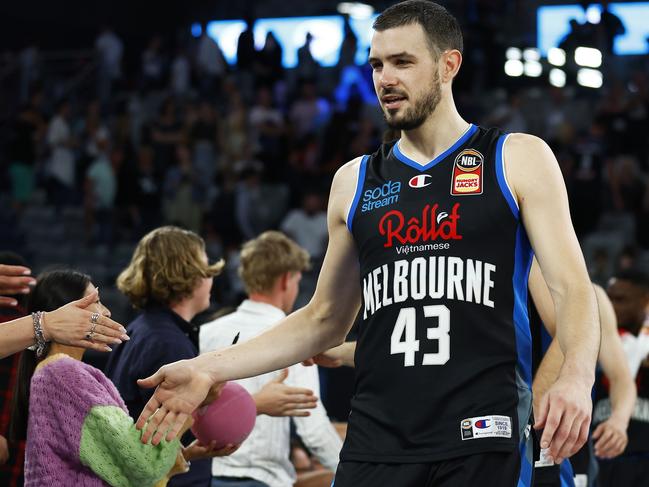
(62, 394)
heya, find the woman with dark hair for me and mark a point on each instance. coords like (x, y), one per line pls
(78, 429)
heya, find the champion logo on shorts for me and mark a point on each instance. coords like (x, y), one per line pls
(486, 427)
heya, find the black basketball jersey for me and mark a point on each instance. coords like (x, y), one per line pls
(443, 357)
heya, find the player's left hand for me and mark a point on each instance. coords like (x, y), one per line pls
(564, 416)
(610, 438)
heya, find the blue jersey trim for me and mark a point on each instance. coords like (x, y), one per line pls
(502, 179)
(566, 474)
(525, 476)
(406, 160)
(522, 263)
(359, 189)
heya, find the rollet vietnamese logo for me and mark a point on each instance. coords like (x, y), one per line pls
(432, 225)
(384, 195)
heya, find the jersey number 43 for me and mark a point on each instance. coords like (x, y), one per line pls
(406, 328)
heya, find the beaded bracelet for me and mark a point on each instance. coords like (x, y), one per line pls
(41, 344)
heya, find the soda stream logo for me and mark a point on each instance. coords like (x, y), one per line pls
(385, 195)
(429, 227)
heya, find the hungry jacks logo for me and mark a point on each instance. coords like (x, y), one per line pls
(467, 173)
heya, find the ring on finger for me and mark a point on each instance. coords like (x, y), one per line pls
(94, 318)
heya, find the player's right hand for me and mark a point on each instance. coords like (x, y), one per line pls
(181, 387)
(564, 415)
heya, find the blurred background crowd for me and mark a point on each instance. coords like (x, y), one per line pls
(200, 115)
(109, 130)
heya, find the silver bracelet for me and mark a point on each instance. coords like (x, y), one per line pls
(41, 344)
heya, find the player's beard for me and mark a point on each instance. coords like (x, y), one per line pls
(414, 116)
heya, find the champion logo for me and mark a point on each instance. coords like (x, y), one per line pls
(420, 181)
(482, 423)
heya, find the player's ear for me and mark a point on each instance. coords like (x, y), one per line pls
(450, 61)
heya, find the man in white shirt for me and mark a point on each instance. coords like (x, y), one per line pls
(62, 165)
(271, 268)
(110, 49)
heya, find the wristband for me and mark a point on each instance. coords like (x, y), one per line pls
(41, 344)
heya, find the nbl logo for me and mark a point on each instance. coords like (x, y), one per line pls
(467, 173)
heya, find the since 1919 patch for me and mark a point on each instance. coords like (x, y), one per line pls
(486, 427)
(467, 173)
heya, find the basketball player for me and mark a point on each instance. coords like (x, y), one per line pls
(629, 293)
(428, 237)
(610, 436)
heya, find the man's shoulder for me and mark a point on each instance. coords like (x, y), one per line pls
(216, 334)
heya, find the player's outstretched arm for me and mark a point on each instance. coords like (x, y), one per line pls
(320, 325)
(610, 436)
(538, 186)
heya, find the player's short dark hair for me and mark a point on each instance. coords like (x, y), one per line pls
(637, 277)
(442, 29)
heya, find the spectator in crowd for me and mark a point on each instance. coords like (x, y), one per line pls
(610, 27)
(182, 193)
(210, 63)
(307, 66)
(25, 141)
(236, 135)
(153, 65)
(12, 453)
(266, 126)
(78, 429)
(169, 281)
(166, 133)
(110, 50)
(30, 62)
(205, 139)
(270, 69)
(101, 187)
(307, 225)
(308, 113)
(180, 76)
(62, 164)
(271, 268)
(629, 293)
(91, 131)
(259, 206)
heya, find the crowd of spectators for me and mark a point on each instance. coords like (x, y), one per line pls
(232, 151)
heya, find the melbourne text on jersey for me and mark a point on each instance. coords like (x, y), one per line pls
(436, 277)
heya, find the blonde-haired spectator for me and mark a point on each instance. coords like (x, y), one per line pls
(169, 279)
(271, 267)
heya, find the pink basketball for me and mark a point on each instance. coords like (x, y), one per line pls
(228, 420)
